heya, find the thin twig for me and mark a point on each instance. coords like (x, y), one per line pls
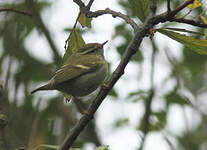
(79, 3)
(154, 50)
(34, 127)
(153, 6)
(90, 14)
(148, 101)
(74, 26)
(169, 142)
(181, 7)
(8, 73)
(39, 22)
(89, 4)
(146, 118)
(114, 14)
(168, 6)
(15, 11)
(189, 21)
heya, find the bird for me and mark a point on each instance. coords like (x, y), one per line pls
(83, 72)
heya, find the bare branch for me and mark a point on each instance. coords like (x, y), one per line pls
(90, 14)
(190, 22)
(15, 11)
(89, 4)
(79, 3)
(114, 14)
(181, 7)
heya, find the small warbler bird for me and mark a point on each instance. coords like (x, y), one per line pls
(82, 73)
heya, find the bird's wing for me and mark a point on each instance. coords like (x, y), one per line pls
(72, 70)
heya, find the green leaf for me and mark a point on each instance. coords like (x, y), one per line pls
(161, 116)
(113, 93)
(174, 98)
(141, 7)
(182, 30)
(85, 21)
(154, 125)
(75, 42)
(204, 19)
(195, 4)
(137, 96)
(121, 122)
(199, 46)
(132, 94)
(106, 147)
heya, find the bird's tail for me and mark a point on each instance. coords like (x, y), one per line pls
(44, 87)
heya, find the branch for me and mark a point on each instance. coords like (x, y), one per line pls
(89, 4)
(3, 123)
(190, 22)
(148, 112)
(114, 14)
(15, 11)
(148, 100)
(181, 7)
(154, 50)
(90, 14)
(168, 6)
(79, 3)
(146, 118)
(170, 16)
(39, 22)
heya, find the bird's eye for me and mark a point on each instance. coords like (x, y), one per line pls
(92, 51)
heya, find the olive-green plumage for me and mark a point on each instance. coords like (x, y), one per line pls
(82, 73)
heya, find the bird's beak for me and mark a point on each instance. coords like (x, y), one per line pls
(104, 43)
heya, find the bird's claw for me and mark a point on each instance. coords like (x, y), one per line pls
(105, 86)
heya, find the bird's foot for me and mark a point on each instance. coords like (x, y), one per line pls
(80, 105)
(105, 86)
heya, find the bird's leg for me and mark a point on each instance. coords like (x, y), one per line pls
(67, 97)
(80, 105)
